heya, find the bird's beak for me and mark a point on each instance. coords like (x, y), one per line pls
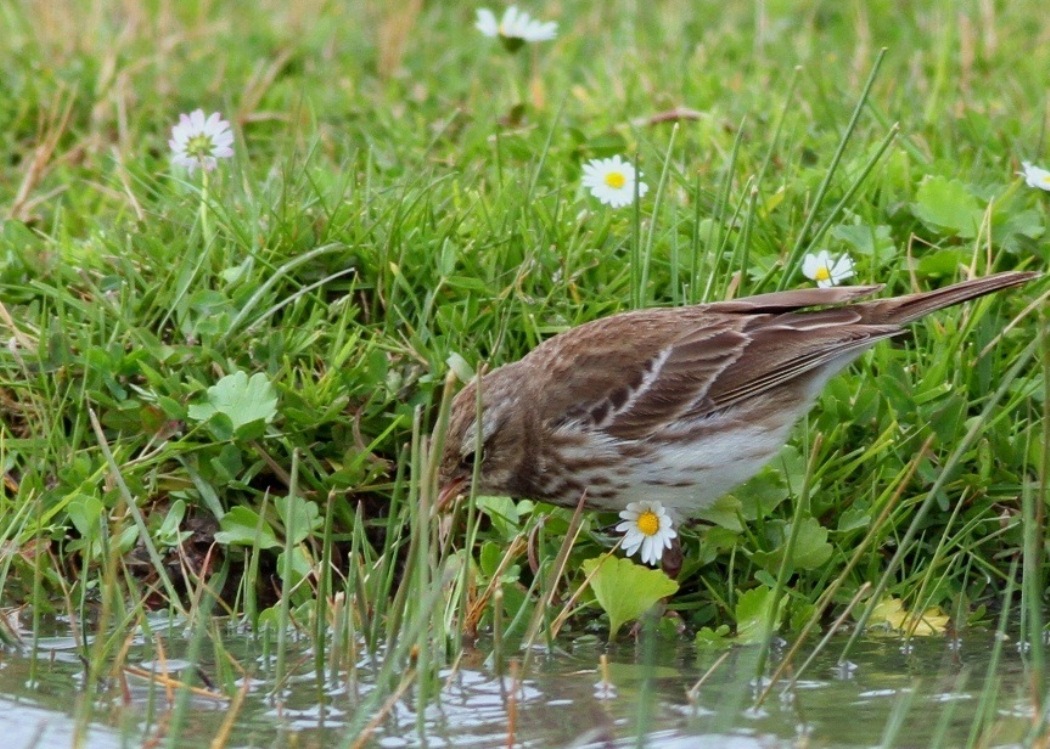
(448, 494)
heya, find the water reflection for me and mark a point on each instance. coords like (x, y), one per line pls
(921, 689)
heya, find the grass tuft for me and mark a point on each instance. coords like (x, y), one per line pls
(223, 399)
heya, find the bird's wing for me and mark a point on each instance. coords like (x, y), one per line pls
(794, 299)
(631, 375)
(623, 372)
(795, 346)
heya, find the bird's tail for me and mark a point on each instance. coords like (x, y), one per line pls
(904, 309)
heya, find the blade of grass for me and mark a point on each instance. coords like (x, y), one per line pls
(136, 513)
(804, 240)
(1006, 384)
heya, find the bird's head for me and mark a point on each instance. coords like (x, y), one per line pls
(503, 438)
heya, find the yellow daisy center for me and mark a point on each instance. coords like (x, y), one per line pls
(648, 523)
(823, 274)
(615, 180)
(200, 146)
(1046, 179)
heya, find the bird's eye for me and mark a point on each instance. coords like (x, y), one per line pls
(466, 463)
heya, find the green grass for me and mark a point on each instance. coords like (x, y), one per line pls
(404, 192)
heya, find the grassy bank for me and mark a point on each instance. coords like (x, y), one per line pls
(220, 394)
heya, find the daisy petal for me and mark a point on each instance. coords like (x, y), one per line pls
(647, 527)
(197, 142)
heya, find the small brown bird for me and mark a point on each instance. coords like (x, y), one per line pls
(675, 405)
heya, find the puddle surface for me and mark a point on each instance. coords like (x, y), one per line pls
(931, 687)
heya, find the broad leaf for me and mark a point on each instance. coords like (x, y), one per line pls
(626, 590)
(865, 239)
(752, 615)
(713, 639)
(243, 527)
(299, 515)
(726, 512)
(890, 612)
(248, 404)
(811, 548)
(948, 207)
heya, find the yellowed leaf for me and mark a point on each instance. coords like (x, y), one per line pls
(891, 613)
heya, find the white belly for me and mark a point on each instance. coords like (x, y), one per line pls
(684, 476)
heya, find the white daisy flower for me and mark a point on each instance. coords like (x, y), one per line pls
(1035, 176)
(515, 28)
(199, 142)
(826, 270)
(612, 181)
(646, 526)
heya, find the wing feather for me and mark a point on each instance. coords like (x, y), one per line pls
(690, 363)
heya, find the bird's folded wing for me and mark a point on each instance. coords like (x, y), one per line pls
(666, 375)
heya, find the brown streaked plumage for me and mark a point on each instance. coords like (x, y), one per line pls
(677, 405)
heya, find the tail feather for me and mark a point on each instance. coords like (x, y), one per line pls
(905, 309)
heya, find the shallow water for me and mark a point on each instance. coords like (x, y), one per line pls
(931, 687)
